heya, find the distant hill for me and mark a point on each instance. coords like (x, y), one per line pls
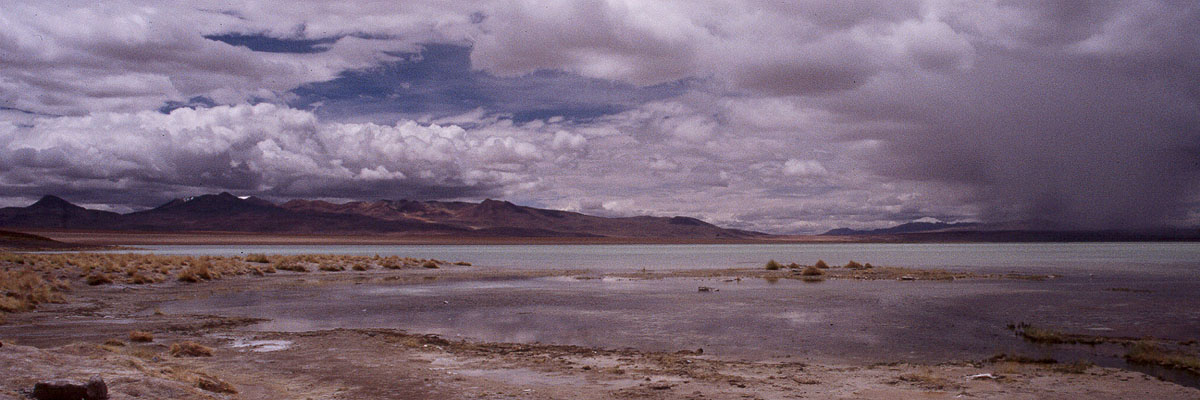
(911, 227)
(1027, 231)
(26, 242)
(228, 213)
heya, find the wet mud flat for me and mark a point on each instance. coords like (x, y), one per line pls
(475, 333)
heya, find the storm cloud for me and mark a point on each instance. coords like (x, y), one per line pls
(795, 117)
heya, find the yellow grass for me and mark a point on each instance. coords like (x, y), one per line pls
(30, 279)
(190, 349)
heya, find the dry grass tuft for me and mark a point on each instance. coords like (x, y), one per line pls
(257, 258)
(214, 385)
(821, 264)
(331, 267)
(773, 265)
(98, 278)
(190, 349)
(24, 290)
(290, 266)
(812, 270)
(141, 337)
(430, 264)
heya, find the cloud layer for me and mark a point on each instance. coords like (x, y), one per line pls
(794, 117)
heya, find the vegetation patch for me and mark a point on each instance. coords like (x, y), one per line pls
(1036, 334)
(812, 270)
(1149, 352)
(141, 337)
(25, 290)
(190, 349)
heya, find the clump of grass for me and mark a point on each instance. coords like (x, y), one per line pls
(812, 270)
(139, 279)
(25, 290)
(257, 258)
(359, 267)
(141, 337)
(793, 266)
(430, 264)
(854, 265)
(462, 263)
(773, 265)
(98, 278)
(196, 272)
(290, 266)
(821, 264)
(331, 267)
(114, 343)
(215, 385)
(1050, 336)
(190, 349)
(1148, 352)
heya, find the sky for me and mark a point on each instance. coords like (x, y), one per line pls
(782, 117)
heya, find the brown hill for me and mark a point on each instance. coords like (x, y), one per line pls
(507, 219)
(229, 213)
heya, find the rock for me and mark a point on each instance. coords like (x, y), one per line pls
(908, 278)
(94, 389)
(97, 389)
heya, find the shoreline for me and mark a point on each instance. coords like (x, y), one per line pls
(128, 238)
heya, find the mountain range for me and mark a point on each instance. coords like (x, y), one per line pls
(1022, 231)
(228, 213)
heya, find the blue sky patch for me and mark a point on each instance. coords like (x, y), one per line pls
(439, 82)
(275, 45)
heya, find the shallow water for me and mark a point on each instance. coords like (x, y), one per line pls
(1153, 258)
(1119, 289)
(851, 320)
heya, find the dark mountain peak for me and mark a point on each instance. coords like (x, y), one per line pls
(54, 202)
(406, 205)
(259, 201)
(908, 227)
(677, 220)
(221, 202)
(497, 207)
(843, 231)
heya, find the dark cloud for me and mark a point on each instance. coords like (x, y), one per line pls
(1045, 136)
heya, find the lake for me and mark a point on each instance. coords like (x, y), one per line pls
(1169, 259)
(1114, 289)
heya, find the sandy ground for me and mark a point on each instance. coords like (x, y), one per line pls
(90, 336)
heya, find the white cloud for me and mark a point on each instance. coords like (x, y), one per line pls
(804, 168)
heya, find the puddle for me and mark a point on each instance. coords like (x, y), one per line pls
(261, 346)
